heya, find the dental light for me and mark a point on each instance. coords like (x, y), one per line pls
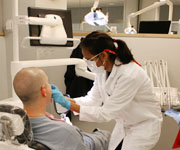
(130, 29)
(96, 17)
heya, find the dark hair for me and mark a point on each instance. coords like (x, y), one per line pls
(97, 42)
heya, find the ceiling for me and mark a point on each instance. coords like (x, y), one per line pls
(102, 3)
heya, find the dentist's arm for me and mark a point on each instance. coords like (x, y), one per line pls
(75, 107)
(67, 103)
(70, 99)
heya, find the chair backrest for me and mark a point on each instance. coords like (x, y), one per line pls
(26, 135)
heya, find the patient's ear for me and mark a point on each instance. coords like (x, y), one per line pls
(43, 91)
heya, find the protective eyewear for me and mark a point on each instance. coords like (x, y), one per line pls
(91, 59)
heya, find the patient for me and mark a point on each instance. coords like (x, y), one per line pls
(32, 87)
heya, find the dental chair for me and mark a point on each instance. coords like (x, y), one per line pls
(15, 130)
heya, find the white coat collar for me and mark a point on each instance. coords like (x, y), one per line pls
(114, 69)
(108, 83)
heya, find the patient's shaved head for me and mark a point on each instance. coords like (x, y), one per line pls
(27, 83)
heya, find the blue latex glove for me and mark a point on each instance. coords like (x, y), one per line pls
(174, 114)
(59, 98)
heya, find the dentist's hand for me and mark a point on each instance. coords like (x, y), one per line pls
(174, 114)
(59, 98)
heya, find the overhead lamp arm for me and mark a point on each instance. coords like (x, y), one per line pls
(153, 6)
(95, 5)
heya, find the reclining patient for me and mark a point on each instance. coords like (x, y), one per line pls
(32, 87)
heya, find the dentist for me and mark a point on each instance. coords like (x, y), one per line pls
(122, 91)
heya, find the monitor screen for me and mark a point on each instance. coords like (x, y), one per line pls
(35, 30)
(161, 27)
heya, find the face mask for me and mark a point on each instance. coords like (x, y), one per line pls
(92, 66)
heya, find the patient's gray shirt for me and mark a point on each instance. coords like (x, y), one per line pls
(56, 135)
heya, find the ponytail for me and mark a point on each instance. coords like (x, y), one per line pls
(97, 42)
(123, 52)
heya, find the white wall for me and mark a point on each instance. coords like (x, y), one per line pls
(1, 16)
(3, 66)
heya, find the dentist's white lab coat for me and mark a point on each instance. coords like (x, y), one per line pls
(125, 96)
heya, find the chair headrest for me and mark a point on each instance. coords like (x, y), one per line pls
(27, 136)
(15, 123)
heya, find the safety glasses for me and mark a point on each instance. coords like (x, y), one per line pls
(91, 63)
(92, 58)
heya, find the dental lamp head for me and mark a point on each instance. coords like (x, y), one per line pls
(130, 30)
(96, 18)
